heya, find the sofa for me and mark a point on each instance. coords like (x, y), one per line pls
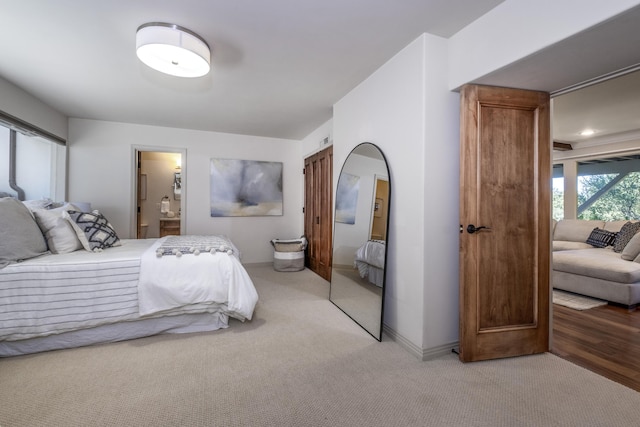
(600, 259)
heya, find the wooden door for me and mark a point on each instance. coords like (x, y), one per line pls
(505, 185)
(380, 214)
(318, 207)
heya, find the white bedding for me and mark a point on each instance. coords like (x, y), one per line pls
(56, 294)
(209, 279)
(371, 253)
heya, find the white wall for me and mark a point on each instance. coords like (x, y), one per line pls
(102, 168)
(387, 109)
(441, 160)
(518, 28)
(20, 104)
(314, 142)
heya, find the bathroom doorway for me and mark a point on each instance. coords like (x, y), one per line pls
(160, 195)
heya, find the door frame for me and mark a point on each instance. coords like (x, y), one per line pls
(135, 149)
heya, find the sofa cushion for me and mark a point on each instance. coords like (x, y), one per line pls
(615, 225)
(601, 263)
(632, 250)
(564, 245)
(624, 236)
(575, 230)
(600, 238)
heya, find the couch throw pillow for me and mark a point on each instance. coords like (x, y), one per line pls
(632, 250)
(624, 236)
(93, 230)
(20, 236)
(600, 238)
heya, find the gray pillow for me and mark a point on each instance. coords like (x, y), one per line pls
(632, 250)
(20, 236)
(624, 235)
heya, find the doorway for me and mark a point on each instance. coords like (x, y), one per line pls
(608, 107)
(380, 213)
(160, 195)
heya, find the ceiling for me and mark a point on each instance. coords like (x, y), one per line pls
(610, 108)
(278, 66)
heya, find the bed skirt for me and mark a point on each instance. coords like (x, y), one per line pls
(182, 323)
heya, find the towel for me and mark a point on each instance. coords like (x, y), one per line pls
(165, 206)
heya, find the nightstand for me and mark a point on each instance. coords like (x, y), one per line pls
(169, 227)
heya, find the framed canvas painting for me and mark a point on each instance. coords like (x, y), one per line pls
(245, 188)
(347, 198)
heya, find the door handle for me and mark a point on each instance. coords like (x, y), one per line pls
(472, 228)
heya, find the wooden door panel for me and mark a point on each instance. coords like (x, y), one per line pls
(505, 186)
(506, 203)
(318, 212)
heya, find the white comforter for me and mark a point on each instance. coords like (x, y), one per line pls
(371, 253)
(208, 279)
(53, 294)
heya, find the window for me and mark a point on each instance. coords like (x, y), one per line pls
(609, 188)
(39, 166)
(558, 192)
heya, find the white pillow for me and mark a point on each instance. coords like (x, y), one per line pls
(60, 235)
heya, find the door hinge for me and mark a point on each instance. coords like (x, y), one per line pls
(303, 209)
(304, 171)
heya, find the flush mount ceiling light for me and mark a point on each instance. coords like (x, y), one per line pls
(172, 49)
(587, 132)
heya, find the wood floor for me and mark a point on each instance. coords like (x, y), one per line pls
(605, 340)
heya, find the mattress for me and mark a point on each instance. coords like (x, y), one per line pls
(58, 294)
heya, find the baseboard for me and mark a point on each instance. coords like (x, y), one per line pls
(420, 353)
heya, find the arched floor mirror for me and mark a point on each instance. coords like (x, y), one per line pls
(360, 233)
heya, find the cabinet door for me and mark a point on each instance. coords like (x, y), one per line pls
(317, 212)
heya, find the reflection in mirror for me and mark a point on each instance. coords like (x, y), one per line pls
(177, 185)
(360, 234)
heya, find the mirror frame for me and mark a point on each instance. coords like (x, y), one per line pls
(375, 332)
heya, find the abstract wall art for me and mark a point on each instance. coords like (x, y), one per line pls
(245, 188)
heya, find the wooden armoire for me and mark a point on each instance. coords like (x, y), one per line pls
(318, 215)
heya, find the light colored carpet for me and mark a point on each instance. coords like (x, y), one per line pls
(575, 301)
(299, 362)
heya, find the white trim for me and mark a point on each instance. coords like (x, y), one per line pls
(422, 354)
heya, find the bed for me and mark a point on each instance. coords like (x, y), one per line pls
(128, 289)
(370, 259)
